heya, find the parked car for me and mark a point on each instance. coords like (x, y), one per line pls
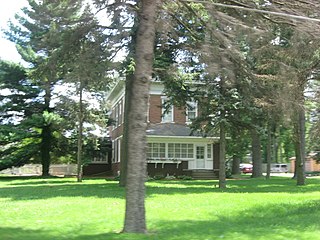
(246, 168)
(279, 168)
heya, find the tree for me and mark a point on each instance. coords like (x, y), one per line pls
(62, 40)
(136, 175)
(19, 116)
(88, 61)
(38, 38)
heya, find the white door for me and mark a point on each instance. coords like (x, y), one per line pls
(200, 157)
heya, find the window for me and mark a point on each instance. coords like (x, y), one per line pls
(120, 113)
(116, 115)
(116, 146)
(114, 151)
(156, 150)
(192, 109)
(180, 150)
(209, 151)
(167, 111)
(100, 157)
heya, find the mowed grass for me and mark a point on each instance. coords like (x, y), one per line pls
(61, 208)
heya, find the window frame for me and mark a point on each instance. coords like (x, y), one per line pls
(165, 115)
(194, 105)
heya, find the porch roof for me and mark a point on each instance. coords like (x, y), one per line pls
(171, 129)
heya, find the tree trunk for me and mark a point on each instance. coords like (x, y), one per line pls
(236, 165)
(299, 128)
(222, 157)
(46, 135)
(80, 133)
(256, 154)
(269, 151)
(137, 161)
(45, 149)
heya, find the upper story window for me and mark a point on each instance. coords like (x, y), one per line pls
(167, 111)
(117, 113)
(191, 111)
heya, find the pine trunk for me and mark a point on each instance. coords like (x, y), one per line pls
(299, 128)
(80, 133)
(256, 154)
(236, 165)
(269, 151)
(45, 149)
(136, 172)
(222, 157)
(46, 135)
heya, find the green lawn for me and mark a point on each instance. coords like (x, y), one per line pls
(61, 208)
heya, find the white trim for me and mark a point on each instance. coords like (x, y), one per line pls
(187, 138)
(156, 162)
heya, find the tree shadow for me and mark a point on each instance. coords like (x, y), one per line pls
(7, 233)
(276, 185)
(45, 191)
(283, 221)
(50, 188)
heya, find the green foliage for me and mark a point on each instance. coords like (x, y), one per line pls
(184, 177)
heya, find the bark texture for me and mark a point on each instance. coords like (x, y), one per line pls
(256, 154)
(222, 157)
(46, 134)
(299, 128)
(80, 134)
(236, 165)
(136, 173)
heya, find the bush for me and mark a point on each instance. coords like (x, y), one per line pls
(184, 177)
(158, 177)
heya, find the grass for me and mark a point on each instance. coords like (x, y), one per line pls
(61, 208)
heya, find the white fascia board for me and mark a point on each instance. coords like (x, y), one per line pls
(116, 92)
(156, 88)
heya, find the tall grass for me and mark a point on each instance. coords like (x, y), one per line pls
(61, 208)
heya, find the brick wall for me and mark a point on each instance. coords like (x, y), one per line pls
(155, 109)
(179, 115)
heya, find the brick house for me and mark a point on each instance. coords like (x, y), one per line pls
(172, 148)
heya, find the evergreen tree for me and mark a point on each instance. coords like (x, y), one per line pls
(20, 116)
(39, 39)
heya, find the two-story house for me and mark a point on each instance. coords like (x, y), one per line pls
(172, 149)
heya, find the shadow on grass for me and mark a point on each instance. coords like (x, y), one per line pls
(50, 188)
(276, 185)
(37, 234)
(26, 234)
(282, 221)
(43, 191)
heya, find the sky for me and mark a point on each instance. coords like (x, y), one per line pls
(8, 8)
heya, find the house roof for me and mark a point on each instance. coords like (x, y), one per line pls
(170, 129)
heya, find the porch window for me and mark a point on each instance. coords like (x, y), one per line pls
(180, 150)
(156, 151)
(209, 151)
(100, 157)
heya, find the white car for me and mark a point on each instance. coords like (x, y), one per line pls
(279, 168)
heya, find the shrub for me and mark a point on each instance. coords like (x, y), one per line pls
(184, 177)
